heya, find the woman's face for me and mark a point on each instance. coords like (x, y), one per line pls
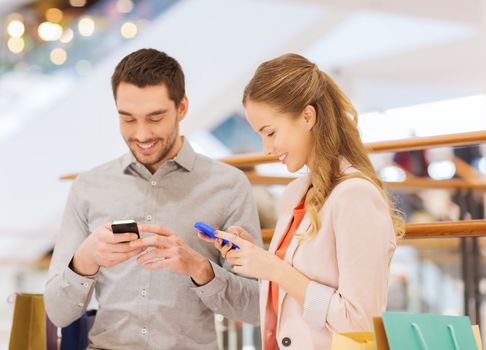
(284, 136)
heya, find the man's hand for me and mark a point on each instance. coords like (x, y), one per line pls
(103, 248)
(170, 251)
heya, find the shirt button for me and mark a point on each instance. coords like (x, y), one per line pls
(86, 284)
(143, 292)
(80, 304)
(286, 341)
(153, 183)
(144, 331)
(148, 217)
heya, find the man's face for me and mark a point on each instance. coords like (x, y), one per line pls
(149, 122)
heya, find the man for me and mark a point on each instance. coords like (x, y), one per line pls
(160, 291)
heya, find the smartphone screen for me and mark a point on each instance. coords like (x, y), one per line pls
(124, 226)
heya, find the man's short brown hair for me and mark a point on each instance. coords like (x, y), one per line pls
(148, 67)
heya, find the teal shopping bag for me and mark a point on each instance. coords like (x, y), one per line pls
(413, 331)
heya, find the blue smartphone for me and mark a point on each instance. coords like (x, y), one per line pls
(209, 231)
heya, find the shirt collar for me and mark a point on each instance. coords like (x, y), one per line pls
(185, 158)
(127, 160)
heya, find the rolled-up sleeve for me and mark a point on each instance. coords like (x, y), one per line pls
(316, 304)
(67, 294)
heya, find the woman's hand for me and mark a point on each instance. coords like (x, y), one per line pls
(250, 260)
(218, 243)
(253, 261)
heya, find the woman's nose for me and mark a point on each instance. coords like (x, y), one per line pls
(267, 149)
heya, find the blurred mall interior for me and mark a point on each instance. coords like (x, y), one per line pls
(413, 69)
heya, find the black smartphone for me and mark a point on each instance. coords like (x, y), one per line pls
(124, 226)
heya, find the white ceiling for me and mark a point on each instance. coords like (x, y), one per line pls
(384, 54)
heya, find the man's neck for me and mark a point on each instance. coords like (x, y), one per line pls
(174, 151)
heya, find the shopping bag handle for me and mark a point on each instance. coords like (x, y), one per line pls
(11, 298)
(421, 338)
(450, 328)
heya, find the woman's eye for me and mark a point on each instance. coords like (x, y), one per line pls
(271, 134)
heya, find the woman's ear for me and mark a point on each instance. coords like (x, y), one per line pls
(310, 116)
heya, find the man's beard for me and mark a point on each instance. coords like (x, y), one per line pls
(164, 152)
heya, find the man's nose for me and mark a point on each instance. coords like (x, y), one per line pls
(143, 133)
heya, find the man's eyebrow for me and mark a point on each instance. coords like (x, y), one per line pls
(121, 111)
(263, 127)
(157, 112)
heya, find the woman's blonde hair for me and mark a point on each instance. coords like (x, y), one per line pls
(290, 83)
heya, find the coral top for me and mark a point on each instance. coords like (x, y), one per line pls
(298, 215)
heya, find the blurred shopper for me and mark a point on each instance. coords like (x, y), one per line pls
(328, 263)
(165, 298)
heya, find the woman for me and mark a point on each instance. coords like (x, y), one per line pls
(327, 266)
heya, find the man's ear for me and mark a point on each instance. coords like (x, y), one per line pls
(183, 107)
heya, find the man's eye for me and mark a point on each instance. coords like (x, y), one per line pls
(271, 134)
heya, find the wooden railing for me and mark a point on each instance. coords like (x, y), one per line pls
(407, 184)
(442, 229)
(446, 229)
(411, 144)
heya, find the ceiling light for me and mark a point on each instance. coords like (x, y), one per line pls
(67, 36)
(58, 56)
(50, 31)
(128, 30)
(54, 15)
(124, 6)
(77, 3)
(16, 45)
(16, 28)
(86, 26)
